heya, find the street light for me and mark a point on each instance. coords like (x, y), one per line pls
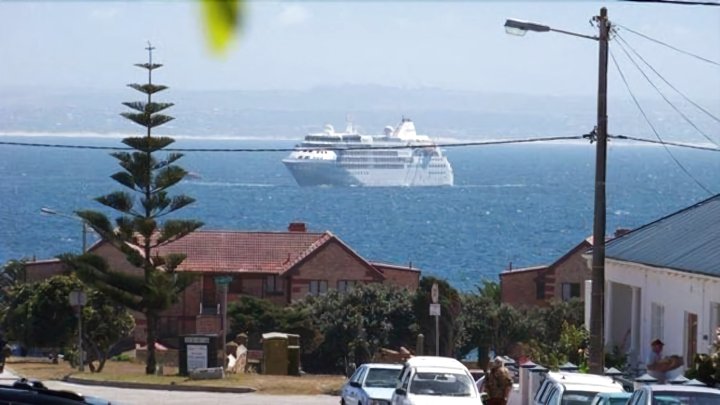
(84, 224)
(597, 316)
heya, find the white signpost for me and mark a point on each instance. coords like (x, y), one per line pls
(435, 311)
(77, 300)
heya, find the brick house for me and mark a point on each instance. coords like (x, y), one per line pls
(538, 285)
(277, 266)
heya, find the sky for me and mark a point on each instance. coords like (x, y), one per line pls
(302, 45)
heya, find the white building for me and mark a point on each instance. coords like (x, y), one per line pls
(663, 281)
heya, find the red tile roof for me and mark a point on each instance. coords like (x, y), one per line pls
(246, 252)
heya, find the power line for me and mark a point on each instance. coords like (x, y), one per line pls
(688, 120)
(666, 82)
(677, 144)
(670, 46)
(657, 135)
(252, 150)
(682, 2)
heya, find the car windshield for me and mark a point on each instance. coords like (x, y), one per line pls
(685, 398)
(382, 377)
(441, 384)
(577, 397)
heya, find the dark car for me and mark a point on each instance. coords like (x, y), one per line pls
(35, 392)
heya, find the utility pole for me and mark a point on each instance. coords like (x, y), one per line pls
(597, 316)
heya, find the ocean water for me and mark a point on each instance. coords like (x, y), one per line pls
(520, 204)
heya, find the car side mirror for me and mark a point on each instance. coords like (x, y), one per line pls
(400, 391)
(355, 384)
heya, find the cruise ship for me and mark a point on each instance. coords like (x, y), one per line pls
(399, 157)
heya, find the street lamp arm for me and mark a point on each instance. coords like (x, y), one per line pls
(575, 34)
(50, 211)
(513, 26)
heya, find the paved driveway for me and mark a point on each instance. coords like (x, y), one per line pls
(124, 396)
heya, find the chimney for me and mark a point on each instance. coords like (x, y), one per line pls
(622, 231)
(297, 227)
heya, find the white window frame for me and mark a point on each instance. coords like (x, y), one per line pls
(714, 322)
(657, 321)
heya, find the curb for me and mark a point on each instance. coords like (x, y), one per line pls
(165, 387)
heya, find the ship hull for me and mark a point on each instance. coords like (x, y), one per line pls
(331, 173)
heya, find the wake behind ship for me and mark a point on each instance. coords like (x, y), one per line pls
(400, 157)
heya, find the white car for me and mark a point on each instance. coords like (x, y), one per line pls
(666, 394)
(371, 384)
(573, 388)
(429, 380)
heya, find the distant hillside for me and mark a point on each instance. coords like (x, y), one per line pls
(290, 114)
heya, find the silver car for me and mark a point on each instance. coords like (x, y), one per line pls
(371, 384)
(666, 394)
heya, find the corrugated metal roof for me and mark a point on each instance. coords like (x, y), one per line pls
(688, 240)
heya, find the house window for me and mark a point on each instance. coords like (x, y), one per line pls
(345, 285)
(570, 290)
(273, 284)
(657, 321)
(540, 287)
(714, 321)
(318, 287)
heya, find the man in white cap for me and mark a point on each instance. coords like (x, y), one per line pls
(657, 365)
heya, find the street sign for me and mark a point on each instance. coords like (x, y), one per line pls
(434, 309)
(77, 298)
(223, 280)
(434, 293)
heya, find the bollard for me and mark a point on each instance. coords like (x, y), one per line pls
(525, 381)
(420, 345)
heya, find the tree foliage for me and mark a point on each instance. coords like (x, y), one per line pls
(40, 315)
(104, 324)
(139, 229)
(449, 323)
(357, 323)
(11, 273)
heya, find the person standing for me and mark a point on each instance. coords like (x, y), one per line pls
(657, 365)
(498, 384)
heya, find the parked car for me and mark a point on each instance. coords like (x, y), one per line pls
(371, 384)
(666, 394)
(573, 388)
(29, 392)
(426, 380)
(611, 398)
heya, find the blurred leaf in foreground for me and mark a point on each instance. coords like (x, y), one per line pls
(222, 19)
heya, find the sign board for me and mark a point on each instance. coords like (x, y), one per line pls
(223, 280)
(197, 357)
(434, 293)
(434, 309)
(77, 298)
(197, 339)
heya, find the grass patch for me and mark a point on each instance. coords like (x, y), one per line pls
(129, 371)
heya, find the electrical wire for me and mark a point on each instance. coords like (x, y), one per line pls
(444, 145)
(664, 80)
(657, 135)
(441, 145)
(677, 144)
(670, 46)
(682, 2)
(685, 117)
